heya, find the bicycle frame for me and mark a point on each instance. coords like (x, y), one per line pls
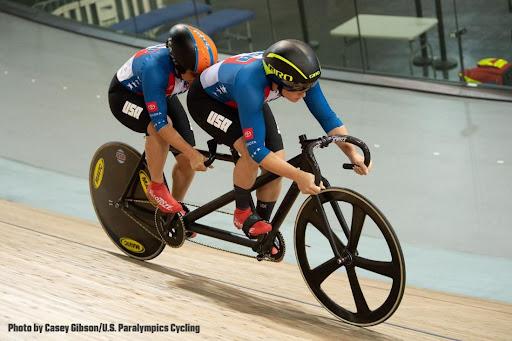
(191, 218)
(304, 161)
(281, 213)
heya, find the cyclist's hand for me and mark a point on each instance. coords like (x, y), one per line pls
(197, 160)
(306, 183)
(360, 168)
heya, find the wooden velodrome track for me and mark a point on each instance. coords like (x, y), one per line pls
(60, 270)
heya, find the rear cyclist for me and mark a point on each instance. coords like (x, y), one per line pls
(229, 102)
(142, 97)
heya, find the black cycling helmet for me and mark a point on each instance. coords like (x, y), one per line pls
(191, 49)
(292, 64)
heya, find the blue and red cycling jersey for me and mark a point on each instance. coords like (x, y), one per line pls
(151, 73)
(240, 82)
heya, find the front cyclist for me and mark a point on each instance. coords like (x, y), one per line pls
(142, 97)
(229, 102)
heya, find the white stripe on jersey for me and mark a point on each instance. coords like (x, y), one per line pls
(210, 76)
(125, 72)
(272, 95)
(180, 86)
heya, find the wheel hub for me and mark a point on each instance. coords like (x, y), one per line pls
(346, 258)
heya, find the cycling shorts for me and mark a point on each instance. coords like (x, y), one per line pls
(130, 109)
(211, 114)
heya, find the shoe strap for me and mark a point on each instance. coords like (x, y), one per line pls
(249, 222)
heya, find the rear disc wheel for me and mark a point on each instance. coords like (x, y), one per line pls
(130, 228)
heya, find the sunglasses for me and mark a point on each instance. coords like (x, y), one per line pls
(297, 87)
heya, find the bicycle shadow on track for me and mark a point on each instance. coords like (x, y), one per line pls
(281, 310)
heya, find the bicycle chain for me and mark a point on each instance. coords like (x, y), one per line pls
(197, 206)
(283, 246)
(141, 225)
(238, 253)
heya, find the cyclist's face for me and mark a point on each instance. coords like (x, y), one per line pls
(189, 76)
(293, 96)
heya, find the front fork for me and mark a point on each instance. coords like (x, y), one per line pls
(267, 243)
(343, 256)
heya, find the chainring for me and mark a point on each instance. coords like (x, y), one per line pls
(281, 249)
(171, 228)
(280, 246)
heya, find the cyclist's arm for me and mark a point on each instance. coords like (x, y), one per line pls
(173, 138)
(250, 98)
(276, 165)
(305, 181)
(250, 105)
(318, 106)
(154, 85)
(349, 149)
(332, 125)
(330, 122)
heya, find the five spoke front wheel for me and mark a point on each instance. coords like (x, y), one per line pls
(346, 247)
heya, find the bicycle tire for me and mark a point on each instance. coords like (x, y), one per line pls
(310, 216)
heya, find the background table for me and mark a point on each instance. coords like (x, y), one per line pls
(385, 27)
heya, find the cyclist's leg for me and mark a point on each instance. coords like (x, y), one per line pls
(223, 123)
(246, 169)
(182, 176)
(182, 172)
(244, 176)
(130, 109)
(156, 154)
(274, 142)
(268, 194)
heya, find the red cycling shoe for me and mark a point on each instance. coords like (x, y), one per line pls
(240, 216)
(159, 194)
(250, 223)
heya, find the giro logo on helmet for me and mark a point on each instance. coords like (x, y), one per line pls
(269, 69)
(315, 74)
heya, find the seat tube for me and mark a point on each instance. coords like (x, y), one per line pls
(133, 177)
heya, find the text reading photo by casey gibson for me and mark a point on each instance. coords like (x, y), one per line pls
(103, 328)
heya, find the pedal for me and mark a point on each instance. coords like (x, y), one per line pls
(279, 245)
